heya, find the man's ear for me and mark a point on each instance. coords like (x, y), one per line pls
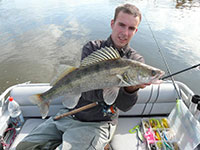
(112, 23)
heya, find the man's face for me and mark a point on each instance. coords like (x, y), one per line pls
(123, 28)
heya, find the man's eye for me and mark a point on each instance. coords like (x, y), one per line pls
(132, 28)
(121, 24)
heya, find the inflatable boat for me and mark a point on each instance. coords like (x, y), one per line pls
(155, 102)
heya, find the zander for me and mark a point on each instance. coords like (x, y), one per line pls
(103, 68)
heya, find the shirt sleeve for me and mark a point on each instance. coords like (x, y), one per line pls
(125, 100)
(89, 48)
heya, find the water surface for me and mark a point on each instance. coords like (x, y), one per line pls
(39, 36)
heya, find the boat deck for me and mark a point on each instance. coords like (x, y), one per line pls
(155, 100)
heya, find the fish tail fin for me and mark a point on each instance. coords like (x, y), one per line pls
(42, 104)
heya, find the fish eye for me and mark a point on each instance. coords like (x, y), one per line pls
(125, 76)
(153, 72)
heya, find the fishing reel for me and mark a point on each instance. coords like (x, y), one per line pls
(108, 110)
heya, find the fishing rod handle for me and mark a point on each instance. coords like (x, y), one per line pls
(75, 111)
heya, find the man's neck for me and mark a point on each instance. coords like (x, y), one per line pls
(117, 47)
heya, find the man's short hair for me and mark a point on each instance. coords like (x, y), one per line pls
(129, 9)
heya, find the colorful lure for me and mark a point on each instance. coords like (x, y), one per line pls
(149, 136)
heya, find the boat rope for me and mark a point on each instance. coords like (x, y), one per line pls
(163, 58)
(8, 138)
(158, 93)
(151, 93)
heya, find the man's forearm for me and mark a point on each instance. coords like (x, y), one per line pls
(131, 89)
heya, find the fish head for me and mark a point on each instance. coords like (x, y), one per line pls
(140, 73)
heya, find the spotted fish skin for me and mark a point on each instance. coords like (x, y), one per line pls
(103, 68)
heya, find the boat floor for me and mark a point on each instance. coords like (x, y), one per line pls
(120, 141)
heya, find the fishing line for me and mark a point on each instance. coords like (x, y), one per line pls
(163, 58)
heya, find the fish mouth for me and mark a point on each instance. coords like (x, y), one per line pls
(161, 74)
(157, 77)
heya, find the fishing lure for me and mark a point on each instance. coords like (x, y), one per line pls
(165, 122)
(155, 123)
(136, 129)
(149, 136)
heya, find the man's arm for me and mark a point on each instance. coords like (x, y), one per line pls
(132, 89)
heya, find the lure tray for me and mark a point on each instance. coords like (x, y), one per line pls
(158, 134)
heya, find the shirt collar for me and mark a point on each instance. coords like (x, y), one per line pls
(124, 50)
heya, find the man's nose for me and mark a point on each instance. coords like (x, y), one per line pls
(125, 31)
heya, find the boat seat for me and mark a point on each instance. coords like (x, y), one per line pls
(150, 100)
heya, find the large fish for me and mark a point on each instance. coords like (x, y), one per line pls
(103, 69)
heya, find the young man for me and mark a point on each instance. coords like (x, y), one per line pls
(93, 128)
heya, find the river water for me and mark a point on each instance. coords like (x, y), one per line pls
(39, 38)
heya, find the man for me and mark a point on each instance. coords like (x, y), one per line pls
(93, 128)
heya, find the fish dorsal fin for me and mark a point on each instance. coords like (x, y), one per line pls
(60, 76)
(103, 54)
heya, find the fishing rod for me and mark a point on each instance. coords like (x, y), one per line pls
(165, 62)
(180, 72)
(75, 111)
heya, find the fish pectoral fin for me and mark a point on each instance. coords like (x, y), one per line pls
(122, 81)
(70, 101)
(110, 95)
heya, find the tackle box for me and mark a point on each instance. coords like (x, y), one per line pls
(158, 134)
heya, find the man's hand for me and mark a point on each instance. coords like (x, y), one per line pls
(132, 89)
